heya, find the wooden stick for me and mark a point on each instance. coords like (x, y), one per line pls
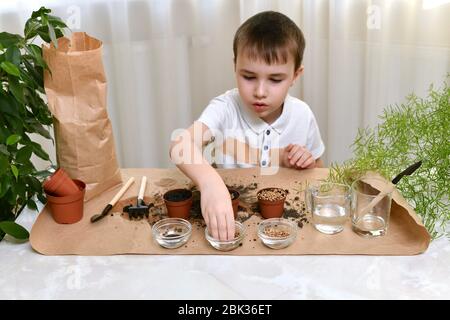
(142, 190)
(121, 191)
(377, 199)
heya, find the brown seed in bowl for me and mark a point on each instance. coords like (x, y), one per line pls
(275, 233)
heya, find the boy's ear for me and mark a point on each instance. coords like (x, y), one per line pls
(297, 74)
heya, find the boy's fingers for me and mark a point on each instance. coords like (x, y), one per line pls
(293, 151)
(212, 227)
(311, 163)
(230, 225)
(288, 149)
(296, 157)
(222, 226)
(304, 159)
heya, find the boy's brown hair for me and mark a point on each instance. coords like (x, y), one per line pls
(271, 36)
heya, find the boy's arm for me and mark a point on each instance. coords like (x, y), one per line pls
(186, 153)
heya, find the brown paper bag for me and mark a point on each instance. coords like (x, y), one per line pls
(76, 93)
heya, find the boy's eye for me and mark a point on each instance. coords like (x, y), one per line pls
(248, 77)
(276, 80)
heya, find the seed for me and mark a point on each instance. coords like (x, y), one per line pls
(275, 233)
(272, 194)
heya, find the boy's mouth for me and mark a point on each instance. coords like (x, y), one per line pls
(259, 107)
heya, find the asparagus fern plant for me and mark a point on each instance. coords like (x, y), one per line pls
(418, 129)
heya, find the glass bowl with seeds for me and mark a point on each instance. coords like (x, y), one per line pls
(227, 245)
(172, 233)
(277, 233)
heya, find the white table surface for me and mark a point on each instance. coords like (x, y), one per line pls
(25, 274)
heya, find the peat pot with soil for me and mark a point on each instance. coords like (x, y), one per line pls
(178, 203)
(271, 202)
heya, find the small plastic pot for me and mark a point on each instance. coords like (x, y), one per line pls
(178, 203)
(234, 200)
(68, 209)
(60, 184)
(271, 208)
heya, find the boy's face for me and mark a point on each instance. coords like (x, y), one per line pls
(264, 87)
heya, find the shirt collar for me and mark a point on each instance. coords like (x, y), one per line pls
(258, 125)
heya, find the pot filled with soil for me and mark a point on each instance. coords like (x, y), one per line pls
(271, 202)
(178, 203)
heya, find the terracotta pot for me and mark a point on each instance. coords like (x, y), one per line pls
(234, 200)
(60, 184)
(271, 208)
(178, 203)
(68, 209)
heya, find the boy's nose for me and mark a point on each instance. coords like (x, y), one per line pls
(260, 91)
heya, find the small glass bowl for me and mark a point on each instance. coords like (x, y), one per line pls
(172, 233)
(277, 233)
(227, 245)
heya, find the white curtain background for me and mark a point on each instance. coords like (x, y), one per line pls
(165, 59)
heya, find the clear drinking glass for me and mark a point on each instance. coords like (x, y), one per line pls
(329, 204)
(373, 222)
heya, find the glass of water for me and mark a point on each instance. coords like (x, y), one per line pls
(373, 222)
(329, 204)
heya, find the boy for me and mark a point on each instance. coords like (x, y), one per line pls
(256, 124)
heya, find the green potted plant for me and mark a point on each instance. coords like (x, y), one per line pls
(415, 130)
(23, 112)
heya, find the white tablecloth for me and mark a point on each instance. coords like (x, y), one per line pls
(26, 274)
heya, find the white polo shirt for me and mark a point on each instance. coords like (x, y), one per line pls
(228, 119)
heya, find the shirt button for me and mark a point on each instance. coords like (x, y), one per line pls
(266, 147)
(268, 132)
(263, 162)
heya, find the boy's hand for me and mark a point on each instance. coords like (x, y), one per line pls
(298, 157)
(217, 210)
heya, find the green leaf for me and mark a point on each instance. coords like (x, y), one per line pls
(32, 205)
(15, 230)
(16, 89)
(4, 150)
(39, 128)
(15, 171)
(8, 106)
(13, 55)
(34, 183)
(10, 68)
(40, 12)
(37, 149)
(31, 27)
(4, 164)
(42, 199)
(36, 52)
(52, 34)
(56, 22)
(24, 154)
(26, 168)
(43, 33)
(35, 73)
(6, 183)
(8, 39)
(13, 139)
